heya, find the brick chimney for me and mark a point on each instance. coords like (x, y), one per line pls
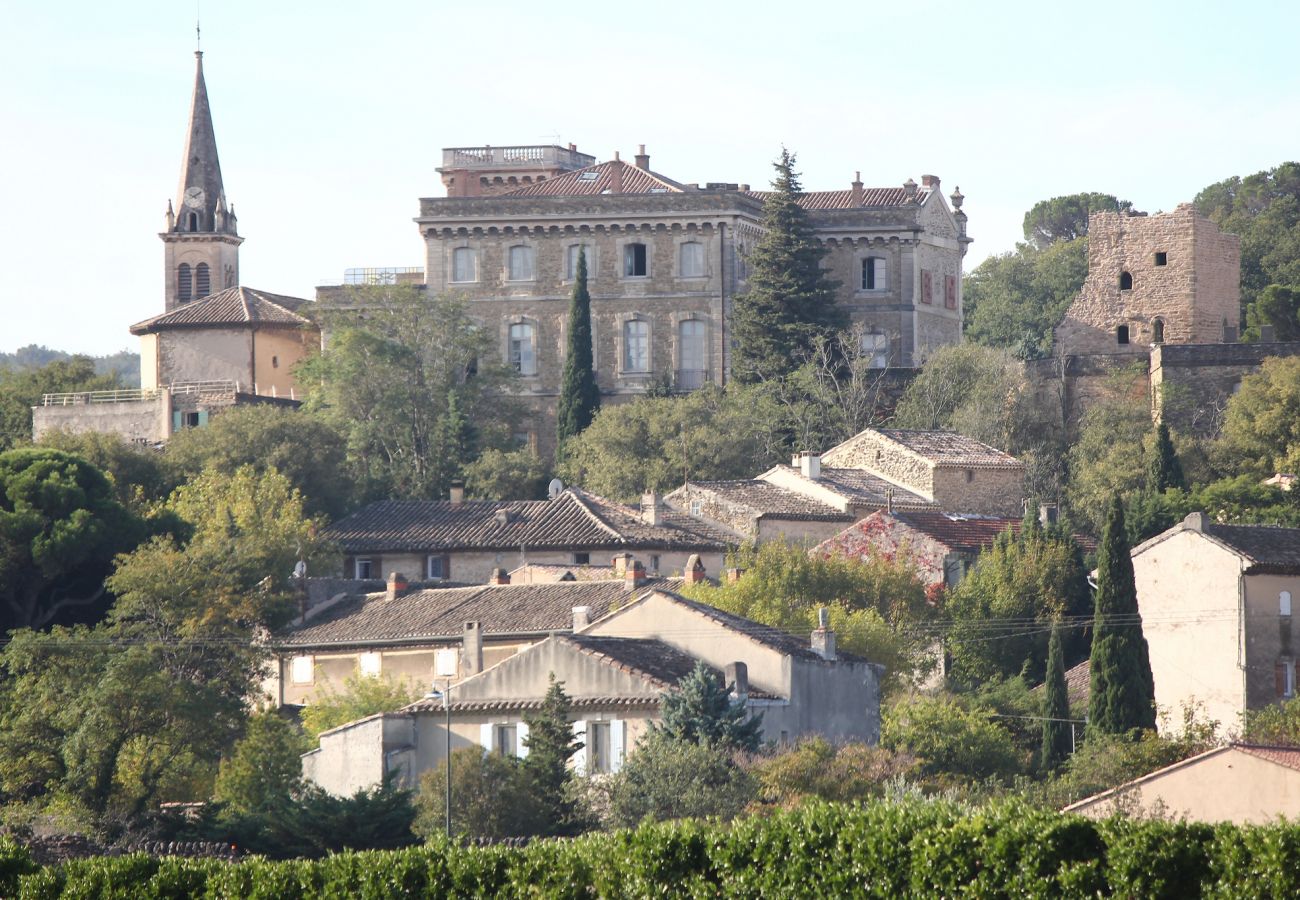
(396, 586)
(499, 576)
(808, 464)
(694, 571)
(736, 676)
(620, 564)
(581, 617)
(471, 649)
(650, 508)
(457, 493)
(823, 639)
(634, 577)
(642, 158)
(616, 175)
(930, 182)
(857, 189)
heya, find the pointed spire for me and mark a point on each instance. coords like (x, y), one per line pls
(200, 189)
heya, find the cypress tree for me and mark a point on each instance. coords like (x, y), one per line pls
(579, 394)
(1056, 705)
(551, 743)
(790, 302)
(1164, 470)
(1123, 691)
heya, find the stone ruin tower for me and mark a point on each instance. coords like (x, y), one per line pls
(1170, 278)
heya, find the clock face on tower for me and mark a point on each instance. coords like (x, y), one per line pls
(194, 196)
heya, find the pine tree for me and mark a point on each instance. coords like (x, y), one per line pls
(1123, 691)
(579, 394)
(700, 711)
(790, 303)
(1164, 471)
(551, 743)
(1056, 706)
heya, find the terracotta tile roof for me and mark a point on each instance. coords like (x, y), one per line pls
(575, 520)
(439, 614)
(598, 179)
(1283, 756)
(1270, 548)
(234, 306)
(967, 533)
(862, 487)
(766, 500)
(844, 199)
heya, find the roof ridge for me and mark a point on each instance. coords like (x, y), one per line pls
(575, 493)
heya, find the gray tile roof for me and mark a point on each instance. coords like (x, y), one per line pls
(599, 179)
(950, 448)
(765, 500)
(576, 520)
(862, 487)
(440, 614)
(236, 306)
(1270, 548)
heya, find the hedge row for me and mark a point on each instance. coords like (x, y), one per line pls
(914, 849)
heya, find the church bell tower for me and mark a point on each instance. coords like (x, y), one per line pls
(201, 243)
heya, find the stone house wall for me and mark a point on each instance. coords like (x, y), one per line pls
(876, 453)
(985, 490)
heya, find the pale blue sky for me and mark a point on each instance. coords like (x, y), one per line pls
(330, 117)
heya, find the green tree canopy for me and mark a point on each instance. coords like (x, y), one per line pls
(1164, 470)
(953, 741)
(1261, 429)
(1275, 306)
(362, 696)
(491, 797)
(967, 388)
(790, 301)
(264, 770)
(1066, 218)
(516, 474)
(1014, 301)
(1122, 695)
(21, 389)
(668, 779)
(700, 710)
(579, 395)
(140, 475)
(1107, 457)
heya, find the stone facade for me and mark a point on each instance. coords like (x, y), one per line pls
(1171, 278)
(1191, 385)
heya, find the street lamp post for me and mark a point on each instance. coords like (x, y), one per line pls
(446, 708)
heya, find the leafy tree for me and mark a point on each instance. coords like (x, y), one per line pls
(409, 380)
(1056, 706)
(1277, 724)
(362, 696)
(1164, 471)
(140, 476)
(310, 452)
(507, 475)
(1278, 307)
(1107, 457)
(1015, 300)
(1122, 695)
(835, 394)
(667, 779)
(60, 526)
(700, 710)
(579, 395)
(952, 741)
(876, 604)
(790, 302)
(966, 388)
(1066, 218)
(551, 744)
(1002, 609)
(1261, 431)
(265, 768)
(21, 389)
(841, 773)
(491, 797)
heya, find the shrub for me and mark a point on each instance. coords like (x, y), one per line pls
(667, 779)
(816, 768)
(952, 742)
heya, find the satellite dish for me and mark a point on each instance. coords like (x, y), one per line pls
(556, 488)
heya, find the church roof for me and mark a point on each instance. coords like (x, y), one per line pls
(599, 179)
(237, 306)
(201, 190)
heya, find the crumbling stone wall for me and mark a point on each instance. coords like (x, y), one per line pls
(1191, 385)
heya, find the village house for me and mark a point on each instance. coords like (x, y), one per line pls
(410, 635)
(817, 496)
(1216, 611)
(616, 672)
(467, 540)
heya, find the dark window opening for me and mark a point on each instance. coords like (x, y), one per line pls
(1121, 334)
(436, 568)
(275, 362)
(194, 221)
(634, 261)
(581, 559)
(1158, 331)
(202, 280)
(191, 420)
(1125, 281)
(184, 282)
(1162, 258)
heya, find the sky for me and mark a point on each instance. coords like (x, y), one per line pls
(330, 117)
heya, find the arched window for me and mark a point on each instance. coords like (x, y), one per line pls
(692, 365)
(523, 356)
(571, 254)
(1121, 334)
(692, 259)
(875, 274)
(184, 282)
(521, 263)
(202, 280)
(1125, 281)
(464, 264)
(636, 346)
(875, 347)
(194, 221)
(1158, 331)
(635, 261)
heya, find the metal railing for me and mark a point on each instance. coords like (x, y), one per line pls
(545, 154)
(136, 395)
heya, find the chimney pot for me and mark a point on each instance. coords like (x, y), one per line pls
(736, 675)
(620, 564)
(396, 585)
(823, 638)
(694, 571)
(650, 508)
(457, 493)
(581, 617)
(810, 465)
(642, 158)
(930, 181)
(733, 575)
(1195, 521)
(472, 649)
(858, 195)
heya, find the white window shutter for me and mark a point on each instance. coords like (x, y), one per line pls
(617, 743)
(882, 275)
(580, 758)
(521, 738)
(485, 733)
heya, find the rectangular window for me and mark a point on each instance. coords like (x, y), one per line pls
(521, 263)
(697, 508)
(950, 291)
(654, 563)
(302, 669)
(692, 259)
(522, 356)
(370, 664)
(1162, 258)
(598, 749)
(435, 567)
(636, 346)
(875, 347)
(505, 740)
(634, 261)
(464, 264)
(582, 559)
(1284, 676)
(1284, 603)
(692, 352)
(927, 287)
(362, 569)
(875, 274)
